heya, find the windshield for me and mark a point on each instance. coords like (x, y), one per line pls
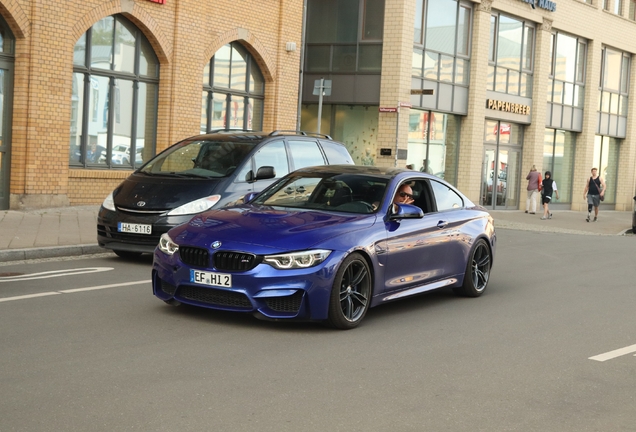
(200, 158)
(340, 192)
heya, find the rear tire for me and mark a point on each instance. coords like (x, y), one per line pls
(477, 271)
(127, 255)
(351, 293)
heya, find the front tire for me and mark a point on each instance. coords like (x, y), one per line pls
(351, 293)
(477, 271)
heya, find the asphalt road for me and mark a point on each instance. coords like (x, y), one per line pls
(75, 358)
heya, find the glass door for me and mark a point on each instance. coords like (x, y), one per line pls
(500, 166)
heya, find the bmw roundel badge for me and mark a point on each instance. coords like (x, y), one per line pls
(216, 244)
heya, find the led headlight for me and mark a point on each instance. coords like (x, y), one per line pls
(196, 206)
(297, 260)
(109, 203)
(167, 246)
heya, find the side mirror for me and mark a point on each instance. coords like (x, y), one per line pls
(405, 211)
(265, 172)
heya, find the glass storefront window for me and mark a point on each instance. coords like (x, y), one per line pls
(433, 143)
(114, 97)
(511, 54)
(606, 154)
(234, 87)
(344, 36)
(558, 158)
(442, 53)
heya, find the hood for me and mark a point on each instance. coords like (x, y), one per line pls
(161, 192)
(265, 228)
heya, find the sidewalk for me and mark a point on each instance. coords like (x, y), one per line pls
(71, 231)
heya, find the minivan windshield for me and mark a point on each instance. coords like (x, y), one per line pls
(200, 158)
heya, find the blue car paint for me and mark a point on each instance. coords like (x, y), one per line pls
(261, 231)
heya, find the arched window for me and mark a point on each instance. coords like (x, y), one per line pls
(233, 89)
(114, 101)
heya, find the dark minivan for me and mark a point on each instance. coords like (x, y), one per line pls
(201, 172)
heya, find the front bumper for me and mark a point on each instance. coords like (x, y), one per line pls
(264, 291)
(108, 236)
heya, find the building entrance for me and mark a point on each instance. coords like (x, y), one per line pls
(6, 81)
(500, 166)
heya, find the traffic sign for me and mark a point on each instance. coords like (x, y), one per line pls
(387, 109)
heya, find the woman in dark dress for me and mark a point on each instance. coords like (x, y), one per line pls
(548, 187)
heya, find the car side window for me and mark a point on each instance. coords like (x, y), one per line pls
(445, 197)
(305, 153)
(336, 154)
(273, 154)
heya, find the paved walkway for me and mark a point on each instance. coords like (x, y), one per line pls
(70, 231)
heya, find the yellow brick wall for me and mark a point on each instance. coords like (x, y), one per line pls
(185, 34)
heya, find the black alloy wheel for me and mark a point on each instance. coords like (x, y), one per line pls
(351, 293)
(477, 271)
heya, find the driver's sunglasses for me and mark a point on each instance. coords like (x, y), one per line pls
(404, 194)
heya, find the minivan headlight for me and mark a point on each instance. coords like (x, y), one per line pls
(297, 260)
(109, 202)
(196, 206)
(166, 245)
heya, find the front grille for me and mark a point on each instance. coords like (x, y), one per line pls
(168, 288)
(285, 304)
(194, 256)
(216, 297)
(235, 261)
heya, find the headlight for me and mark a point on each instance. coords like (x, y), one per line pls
(196, 206)
(297, 260)
(109, 203)
(167, 246)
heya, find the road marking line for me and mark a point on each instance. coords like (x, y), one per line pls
(72, 291)
(54, 273)
(28, 296)
(613, 354)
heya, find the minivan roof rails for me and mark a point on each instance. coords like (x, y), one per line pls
(228, 131)
(299, 132)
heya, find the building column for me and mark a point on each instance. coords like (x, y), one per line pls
(626, 189)
(584, 155)
(472, 128)
(534, 136)
(397, 54)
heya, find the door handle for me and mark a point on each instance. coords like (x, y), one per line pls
(442, 224)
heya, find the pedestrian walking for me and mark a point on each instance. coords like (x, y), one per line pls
(534, 186)
(594, 193)
(548, 187)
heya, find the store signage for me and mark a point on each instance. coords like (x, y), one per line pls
(509, 107)
(543, 4)
(387, 109)
(422, 91)
(158, 1)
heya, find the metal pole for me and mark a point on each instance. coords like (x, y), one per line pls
(322, 83)
(397, 133)
(302, 66)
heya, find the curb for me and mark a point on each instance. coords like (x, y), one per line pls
(50, 252)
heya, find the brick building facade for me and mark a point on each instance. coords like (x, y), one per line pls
(40, 37)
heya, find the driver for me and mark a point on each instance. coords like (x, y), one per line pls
(404, 195)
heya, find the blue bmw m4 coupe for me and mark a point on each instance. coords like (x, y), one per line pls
(328, 243)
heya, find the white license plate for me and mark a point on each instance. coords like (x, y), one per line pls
(209, 278)
(134, 228)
